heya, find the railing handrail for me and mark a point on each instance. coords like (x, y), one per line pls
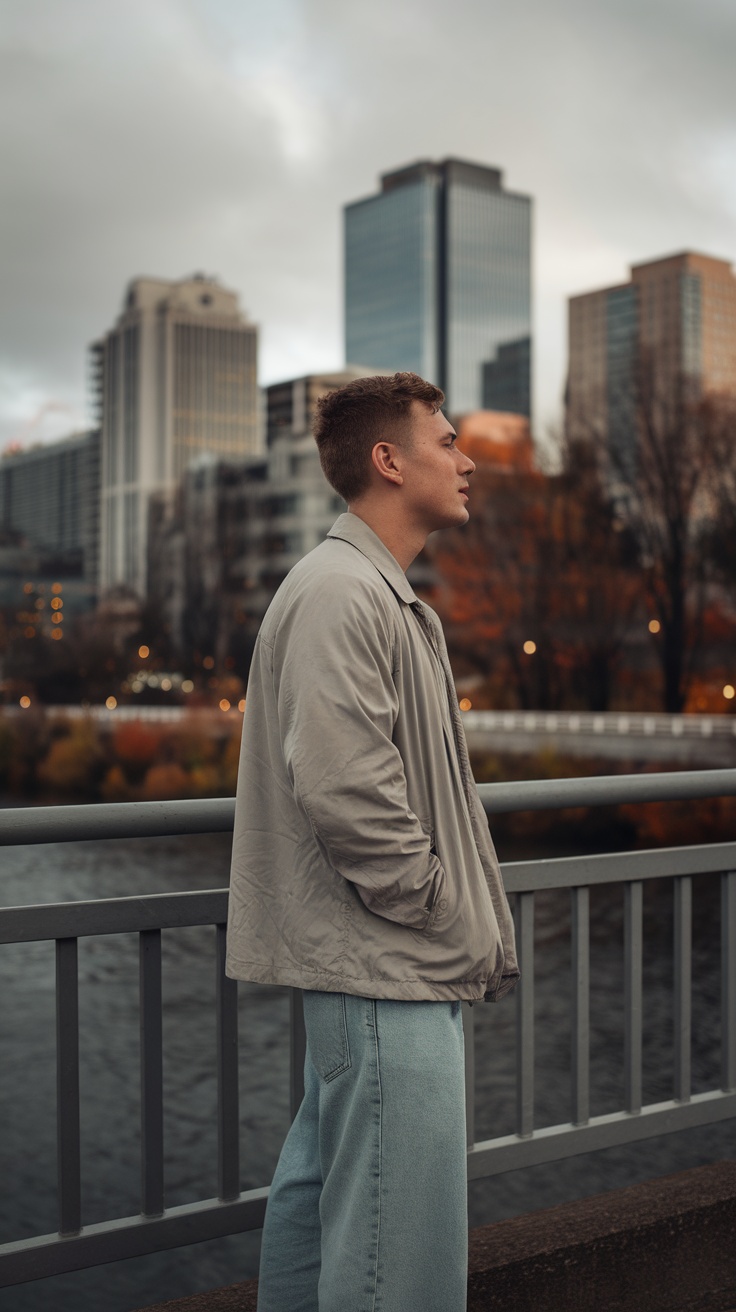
(89, 820)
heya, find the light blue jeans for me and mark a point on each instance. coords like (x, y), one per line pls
(367, 1211)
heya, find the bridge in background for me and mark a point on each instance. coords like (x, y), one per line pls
(622, 735)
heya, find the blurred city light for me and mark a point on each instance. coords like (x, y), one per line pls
(241, 704)
(25, 702)
(111, 703)
(144, 651)
(654, 626)
(729, 691)
(465, 704)
(187, 686)
(530, 647)
(209, 662)
(224, 704)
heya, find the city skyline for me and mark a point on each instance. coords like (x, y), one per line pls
(176, 136)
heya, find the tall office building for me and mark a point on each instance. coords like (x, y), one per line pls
(49, 497)
(175, 379)
(438, 281)
(675, 320)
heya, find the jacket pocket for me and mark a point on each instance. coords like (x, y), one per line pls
(439, 905)
(326, 1022)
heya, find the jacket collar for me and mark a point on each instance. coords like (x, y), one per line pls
(351, 528)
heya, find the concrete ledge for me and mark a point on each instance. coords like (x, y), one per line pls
(668, 1245)
(233, 1298)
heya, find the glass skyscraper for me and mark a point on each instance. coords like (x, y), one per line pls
(438, 281)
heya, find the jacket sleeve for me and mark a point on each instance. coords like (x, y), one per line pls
(337, 706)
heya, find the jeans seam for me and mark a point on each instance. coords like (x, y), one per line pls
(380, 1160)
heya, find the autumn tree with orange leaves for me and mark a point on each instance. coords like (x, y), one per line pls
(538, 592)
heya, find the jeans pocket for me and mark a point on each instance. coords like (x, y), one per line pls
(326, 1022)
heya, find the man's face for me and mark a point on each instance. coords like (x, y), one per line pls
(435, 472)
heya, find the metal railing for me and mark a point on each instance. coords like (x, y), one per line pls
(157, 1227)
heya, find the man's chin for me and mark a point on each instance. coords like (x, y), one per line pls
(454, 520)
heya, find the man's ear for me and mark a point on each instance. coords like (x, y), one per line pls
(385, 460)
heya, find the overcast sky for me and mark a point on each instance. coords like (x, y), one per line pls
(166, 136)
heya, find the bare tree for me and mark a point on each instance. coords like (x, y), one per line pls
(663, 482)
(598, 580)
(719, 538)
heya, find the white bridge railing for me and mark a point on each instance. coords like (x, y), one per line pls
(636, 724)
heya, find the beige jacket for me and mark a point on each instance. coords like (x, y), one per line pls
(362, 861)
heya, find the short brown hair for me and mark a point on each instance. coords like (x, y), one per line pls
(350, 420)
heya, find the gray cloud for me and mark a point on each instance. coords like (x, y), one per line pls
(175, 135)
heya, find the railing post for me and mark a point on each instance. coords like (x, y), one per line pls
(728, 981)
(633, 918)
(228, 1110)
(297, 1050)
(524, 916)
(152, 1075)
(67, 1087)
(580, 914)
(682, 949)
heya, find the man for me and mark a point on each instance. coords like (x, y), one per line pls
(364, 874)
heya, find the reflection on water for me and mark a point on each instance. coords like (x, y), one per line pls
(110, 1071)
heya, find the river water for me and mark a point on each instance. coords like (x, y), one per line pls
(108, 971)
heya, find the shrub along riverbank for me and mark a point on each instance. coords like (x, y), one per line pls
(51, 759)
(59, 758)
